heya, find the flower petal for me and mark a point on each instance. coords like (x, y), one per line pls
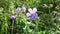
(32, 17)
(35, 15)
(29, 9)
(28, 14)
(18, 9)
(24, 7)
(35, 10)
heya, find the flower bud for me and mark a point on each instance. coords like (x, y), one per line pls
(12, 18)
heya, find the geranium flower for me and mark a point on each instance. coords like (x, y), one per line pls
(32, 13)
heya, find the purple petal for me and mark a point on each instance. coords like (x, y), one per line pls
(28, 14)
(18, 9)
(36, 15)
(32, 17)
(24, 7)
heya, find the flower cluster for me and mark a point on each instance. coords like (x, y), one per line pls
(19, 9)
(32, 13)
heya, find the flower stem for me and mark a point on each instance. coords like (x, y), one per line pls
(36, 25)
(12, 27)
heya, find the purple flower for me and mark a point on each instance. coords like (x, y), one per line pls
(24, 7)
(12, 18)
(18, 10)
(32, 13)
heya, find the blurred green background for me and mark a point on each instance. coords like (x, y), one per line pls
(48, 12)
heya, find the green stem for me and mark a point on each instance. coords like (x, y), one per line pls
(12, 27)
(49, 10)
(36, 26)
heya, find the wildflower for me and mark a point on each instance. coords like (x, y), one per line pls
(32, 13)
(12, 18)
(18, 10)
(24, 7)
